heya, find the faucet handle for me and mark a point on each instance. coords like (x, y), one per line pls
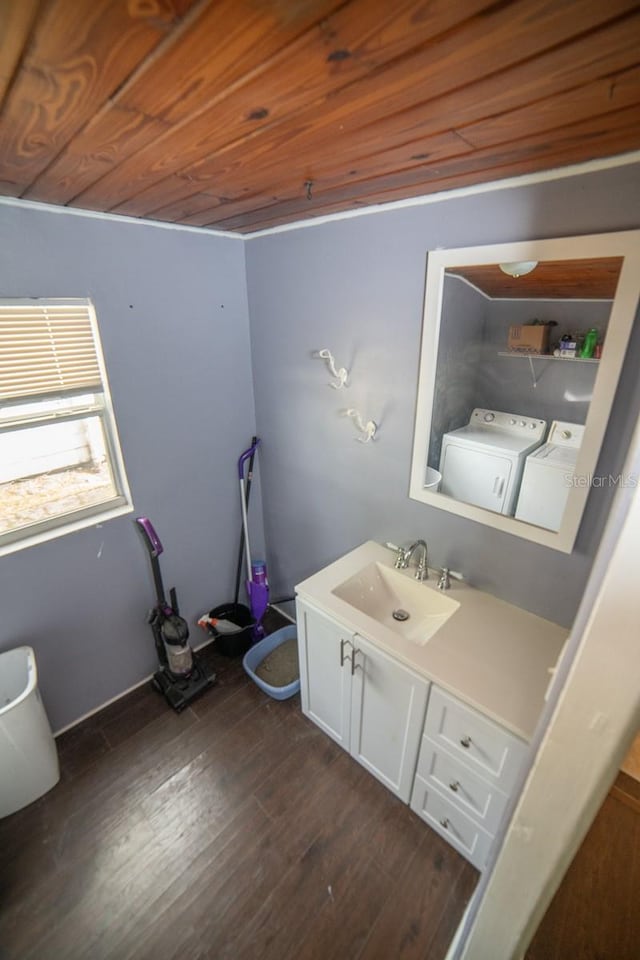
(444, 583)
(401, 562)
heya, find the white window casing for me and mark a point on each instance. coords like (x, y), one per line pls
(55, 416)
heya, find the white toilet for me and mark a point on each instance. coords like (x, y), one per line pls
(28, 754)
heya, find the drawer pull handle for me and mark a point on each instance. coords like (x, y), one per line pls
(455, 786)
(465, 742)
(445, 823)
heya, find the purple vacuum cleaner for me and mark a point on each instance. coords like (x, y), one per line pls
(181, 676)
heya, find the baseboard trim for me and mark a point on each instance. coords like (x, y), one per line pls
(119, 696)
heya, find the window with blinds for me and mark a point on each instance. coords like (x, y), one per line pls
(61, 466)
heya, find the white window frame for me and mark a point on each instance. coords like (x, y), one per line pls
(102, 407)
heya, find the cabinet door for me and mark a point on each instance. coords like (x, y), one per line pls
(325, 684)
(388, 704)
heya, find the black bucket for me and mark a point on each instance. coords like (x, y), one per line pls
(233, 644)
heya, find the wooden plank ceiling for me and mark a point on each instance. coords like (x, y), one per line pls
(593, 279)
(245, 114)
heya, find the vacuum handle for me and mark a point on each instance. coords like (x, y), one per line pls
(245, 456)
(152, 539)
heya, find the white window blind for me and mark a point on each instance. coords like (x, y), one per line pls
(46, 348)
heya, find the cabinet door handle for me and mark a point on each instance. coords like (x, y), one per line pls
(344, 656)
(355, 666)
(454, 785)
(465, 742)
(445, 823)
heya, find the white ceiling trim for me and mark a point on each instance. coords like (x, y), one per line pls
(558, 173)
(542, 176)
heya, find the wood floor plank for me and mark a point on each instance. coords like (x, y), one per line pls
(236, 831)
(594, 914)
(229, 873)
(366, 890)
(409, 921)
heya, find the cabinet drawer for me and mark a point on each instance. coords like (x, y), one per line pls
(459, 830)
(486, 747)
(467, 791)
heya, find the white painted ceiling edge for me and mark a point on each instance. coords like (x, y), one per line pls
(527, 179)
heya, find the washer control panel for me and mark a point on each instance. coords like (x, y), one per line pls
(511, 422)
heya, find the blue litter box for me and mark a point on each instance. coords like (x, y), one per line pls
(254, 657)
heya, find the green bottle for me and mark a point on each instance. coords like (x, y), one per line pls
(589, 345)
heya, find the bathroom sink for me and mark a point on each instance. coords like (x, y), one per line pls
(411, 609)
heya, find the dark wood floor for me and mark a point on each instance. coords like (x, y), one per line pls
(595, 914)
(233, 831)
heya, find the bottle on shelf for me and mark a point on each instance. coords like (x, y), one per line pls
(589, 344)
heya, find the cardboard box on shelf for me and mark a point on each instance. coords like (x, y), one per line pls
(529, 338)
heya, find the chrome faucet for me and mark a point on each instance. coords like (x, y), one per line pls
(444, 583)
(404, 556)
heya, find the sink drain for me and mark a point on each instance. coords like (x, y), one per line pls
(400, 614)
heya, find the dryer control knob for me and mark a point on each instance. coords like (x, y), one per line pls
(488, 417)
(523, 423)
(513, 422)
(566, 434)
(532, 426)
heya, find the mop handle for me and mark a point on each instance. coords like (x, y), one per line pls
(243, 457)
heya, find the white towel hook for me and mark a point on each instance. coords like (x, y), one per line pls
(340, 374)
(368, 429)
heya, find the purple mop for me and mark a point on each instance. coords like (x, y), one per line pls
(256, 584)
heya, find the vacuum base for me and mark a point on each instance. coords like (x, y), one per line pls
(179, 692)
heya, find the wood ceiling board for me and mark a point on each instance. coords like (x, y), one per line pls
(593, 279)
(301, 78)
(121, 133)
(362, 101)
(594, 99)
(228, 42)
(79, 55)
(16, 20)
(613, 134)
(331, 171)
(143, 106)
(492, 95)
(191, 206)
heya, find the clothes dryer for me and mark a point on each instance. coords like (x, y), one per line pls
(482, 462)
(548, 476)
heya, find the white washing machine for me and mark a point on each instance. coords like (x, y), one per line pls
(547, 476)
(482, 462)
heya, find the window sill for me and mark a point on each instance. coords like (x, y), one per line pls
(71, 526)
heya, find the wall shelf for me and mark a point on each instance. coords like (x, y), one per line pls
(546, 356)
(543, 356)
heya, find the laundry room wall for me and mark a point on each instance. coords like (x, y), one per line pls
(356, 287)
(172, 312)
(555, 390)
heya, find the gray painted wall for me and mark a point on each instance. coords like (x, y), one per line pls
(460, 352)
(172, 312)
(173, 316)
(356, 286)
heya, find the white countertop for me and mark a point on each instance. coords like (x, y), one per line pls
(494, 656)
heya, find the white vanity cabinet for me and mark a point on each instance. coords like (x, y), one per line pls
(466, 770)
(364, 699)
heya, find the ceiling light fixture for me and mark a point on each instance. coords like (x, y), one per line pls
(520, 268)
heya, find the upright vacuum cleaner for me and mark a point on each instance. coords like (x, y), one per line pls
(181, 676)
